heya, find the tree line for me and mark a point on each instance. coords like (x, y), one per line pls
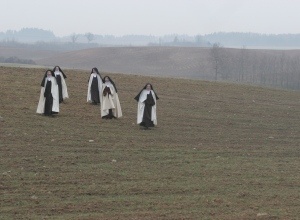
(261, 67)
(228, 39)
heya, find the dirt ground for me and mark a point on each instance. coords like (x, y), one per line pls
(219, 151)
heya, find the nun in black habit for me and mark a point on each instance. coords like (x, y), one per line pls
(49, 98)
(110, 106)
(146, 112)
(94, 87)
(62, 86)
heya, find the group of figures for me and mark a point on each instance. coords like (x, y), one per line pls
(101, 91)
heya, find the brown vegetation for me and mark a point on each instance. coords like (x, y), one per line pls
(25, 53)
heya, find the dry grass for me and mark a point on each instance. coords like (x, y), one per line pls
(26, 53)
(159, 61)
(220, 151)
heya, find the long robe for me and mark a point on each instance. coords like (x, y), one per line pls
(94, 88)
(49, 98)
(62, 86)
(110, 106)
(146, 113)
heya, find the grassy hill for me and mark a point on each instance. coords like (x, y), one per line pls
(220, 151)
(270, 68)
(159, 61)
(273, 68)
(26, 53)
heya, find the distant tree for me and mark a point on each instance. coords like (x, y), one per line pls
(176, 40)
(160, 41)
(216, 56)
(198, 39)
(89, 36)
(282, 66)
(298, 73)
(74, 38)
(242, 62)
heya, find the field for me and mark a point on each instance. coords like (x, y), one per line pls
(26, 53)
(220, 151)
(167, 61)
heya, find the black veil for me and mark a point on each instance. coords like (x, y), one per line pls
(112, 82)
(60, 71)
(45, 76)
(138, 96)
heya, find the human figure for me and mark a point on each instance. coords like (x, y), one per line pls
(94, 87)
(110, 107)
(49, 97)
(146, 112)
(62, 86)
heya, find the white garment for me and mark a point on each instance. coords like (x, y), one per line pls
(55, 95)
(110, 101)
(65, 94)
(89, 97)
(141, 107)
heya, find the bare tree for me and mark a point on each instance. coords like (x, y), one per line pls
(74, 38)
(216, 56)
(89, 36)
(242, 62)
(298, 72)
(282, 68)
(198, 39)
(176, 40)
(160, 41)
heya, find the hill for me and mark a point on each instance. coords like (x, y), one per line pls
(25, 53)
(220, 151)
(269, 68)
(272, 68)
(160, 61)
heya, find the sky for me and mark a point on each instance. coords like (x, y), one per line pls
(151, 17)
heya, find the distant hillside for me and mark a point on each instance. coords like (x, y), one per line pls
(25, 53)
(164, 61)
(274, 68)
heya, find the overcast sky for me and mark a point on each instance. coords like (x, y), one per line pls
(155, 17)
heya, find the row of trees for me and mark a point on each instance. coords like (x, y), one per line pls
(268, 68)
(228, 39)
(28, 35)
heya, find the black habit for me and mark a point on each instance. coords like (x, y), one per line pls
(48, 98)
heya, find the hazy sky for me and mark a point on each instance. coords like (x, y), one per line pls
(155, 17)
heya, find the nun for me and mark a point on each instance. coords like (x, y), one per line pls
(110, 106)
(94, 87)
(62, 86)
(146, 112)
(49, 97)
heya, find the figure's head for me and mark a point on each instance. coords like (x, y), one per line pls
(49, 73)
(148, 87)
(106, 79)
(95, 70)
(57, 68)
